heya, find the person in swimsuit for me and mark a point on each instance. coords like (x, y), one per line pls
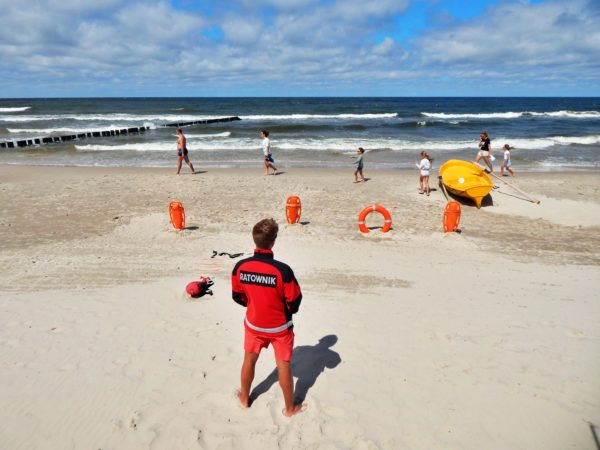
(424, 166)
(485, 150)
(182, 152)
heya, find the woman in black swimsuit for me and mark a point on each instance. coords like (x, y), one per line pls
(182, 152)
(485, 150)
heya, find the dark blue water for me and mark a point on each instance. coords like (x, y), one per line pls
(546, 133)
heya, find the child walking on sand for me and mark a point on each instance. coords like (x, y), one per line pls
(506, 163)
(359, 165)
(271, 294)
(424, 166)
(266, 146)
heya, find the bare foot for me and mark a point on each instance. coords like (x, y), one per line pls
(356, 181)
(296, 409)
(244, 400)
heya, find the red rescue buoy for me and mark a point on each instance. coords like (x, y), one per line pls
(177, 214)
(451, 217)
(293, 209)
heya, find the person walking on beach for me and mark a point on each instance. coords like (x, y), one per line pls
(506, 162)
(182, 152)
(266, 146)
(359, 165)
(268, 289)
(424, 166)
(485, 150)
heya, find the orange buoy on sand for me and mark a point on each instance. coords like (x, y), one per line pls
(368, 210)
(177, 214)
(451, 217)
(293, 209)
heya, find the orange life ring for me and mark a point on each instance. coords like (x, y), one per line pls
(368, 210)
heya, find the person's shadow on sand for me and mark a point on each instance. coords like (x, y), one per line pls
(308, 362)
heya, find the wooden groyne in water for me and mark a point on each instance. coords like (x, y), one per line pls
(17, 143)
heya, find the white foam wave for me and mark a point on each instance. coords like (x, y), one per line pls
(506, 115)
(541, 143)
(116, 117)
(75, 130)
(207, 143)
(15, 109)
(515, 115)
(572, 114)
(199, 136)
(320, 116)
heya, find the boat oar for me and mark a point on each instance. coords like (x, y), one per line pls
(529, 197)
(443, 188)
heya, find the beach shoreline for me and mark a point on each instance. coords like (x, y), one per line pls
(435, 340)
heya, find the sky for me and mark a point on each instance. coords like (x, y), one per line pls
(129, 48)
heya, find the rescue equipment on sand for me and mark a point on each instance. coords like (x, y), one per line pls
(466, 179)
(368, 210)
(451, 217)
(199, 288)
(177, 214)
(293, 209)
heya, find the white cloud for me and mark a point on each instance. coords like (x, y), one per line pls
(518, 35)
(288, 43)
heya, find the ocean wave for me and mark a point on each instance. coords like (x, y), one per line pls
(571, 114)
(46, 131)
(167, 118)
(320, 116)
(207, 143)
(515, 115)
(15, 109)
(505, 115)
(199, 136)
(116, 117)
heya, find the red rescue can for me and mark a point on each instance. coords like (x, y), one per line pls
(177, 214)
(293, 209)
(451, 217)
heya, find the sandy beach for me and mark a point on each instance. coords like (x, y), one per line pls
(414, 339)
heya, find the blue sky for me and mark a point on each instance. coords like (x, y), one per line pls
(66, 48)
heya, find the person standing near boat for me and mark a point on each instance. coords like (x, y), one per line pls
(485, 150)
(182, 152)
(266, 146)
(424, 166)
(506, 162)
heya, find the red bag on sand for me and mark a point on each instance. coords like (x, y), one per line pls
(197, 289)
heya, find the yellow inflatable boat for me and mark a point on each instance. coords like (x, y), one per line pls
(466, 179)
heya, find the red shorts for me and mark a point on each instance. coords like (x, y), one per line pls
(282, 345)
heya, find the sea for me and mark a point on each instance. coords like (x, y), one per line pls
(547, 134)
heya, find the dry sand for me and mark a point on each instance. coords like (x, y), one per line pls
(415, 339)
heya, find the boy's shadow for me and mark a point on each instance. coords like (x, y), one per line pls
(308, 362)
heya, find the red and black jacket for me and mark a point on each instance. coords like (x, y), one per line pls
(269, 290)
